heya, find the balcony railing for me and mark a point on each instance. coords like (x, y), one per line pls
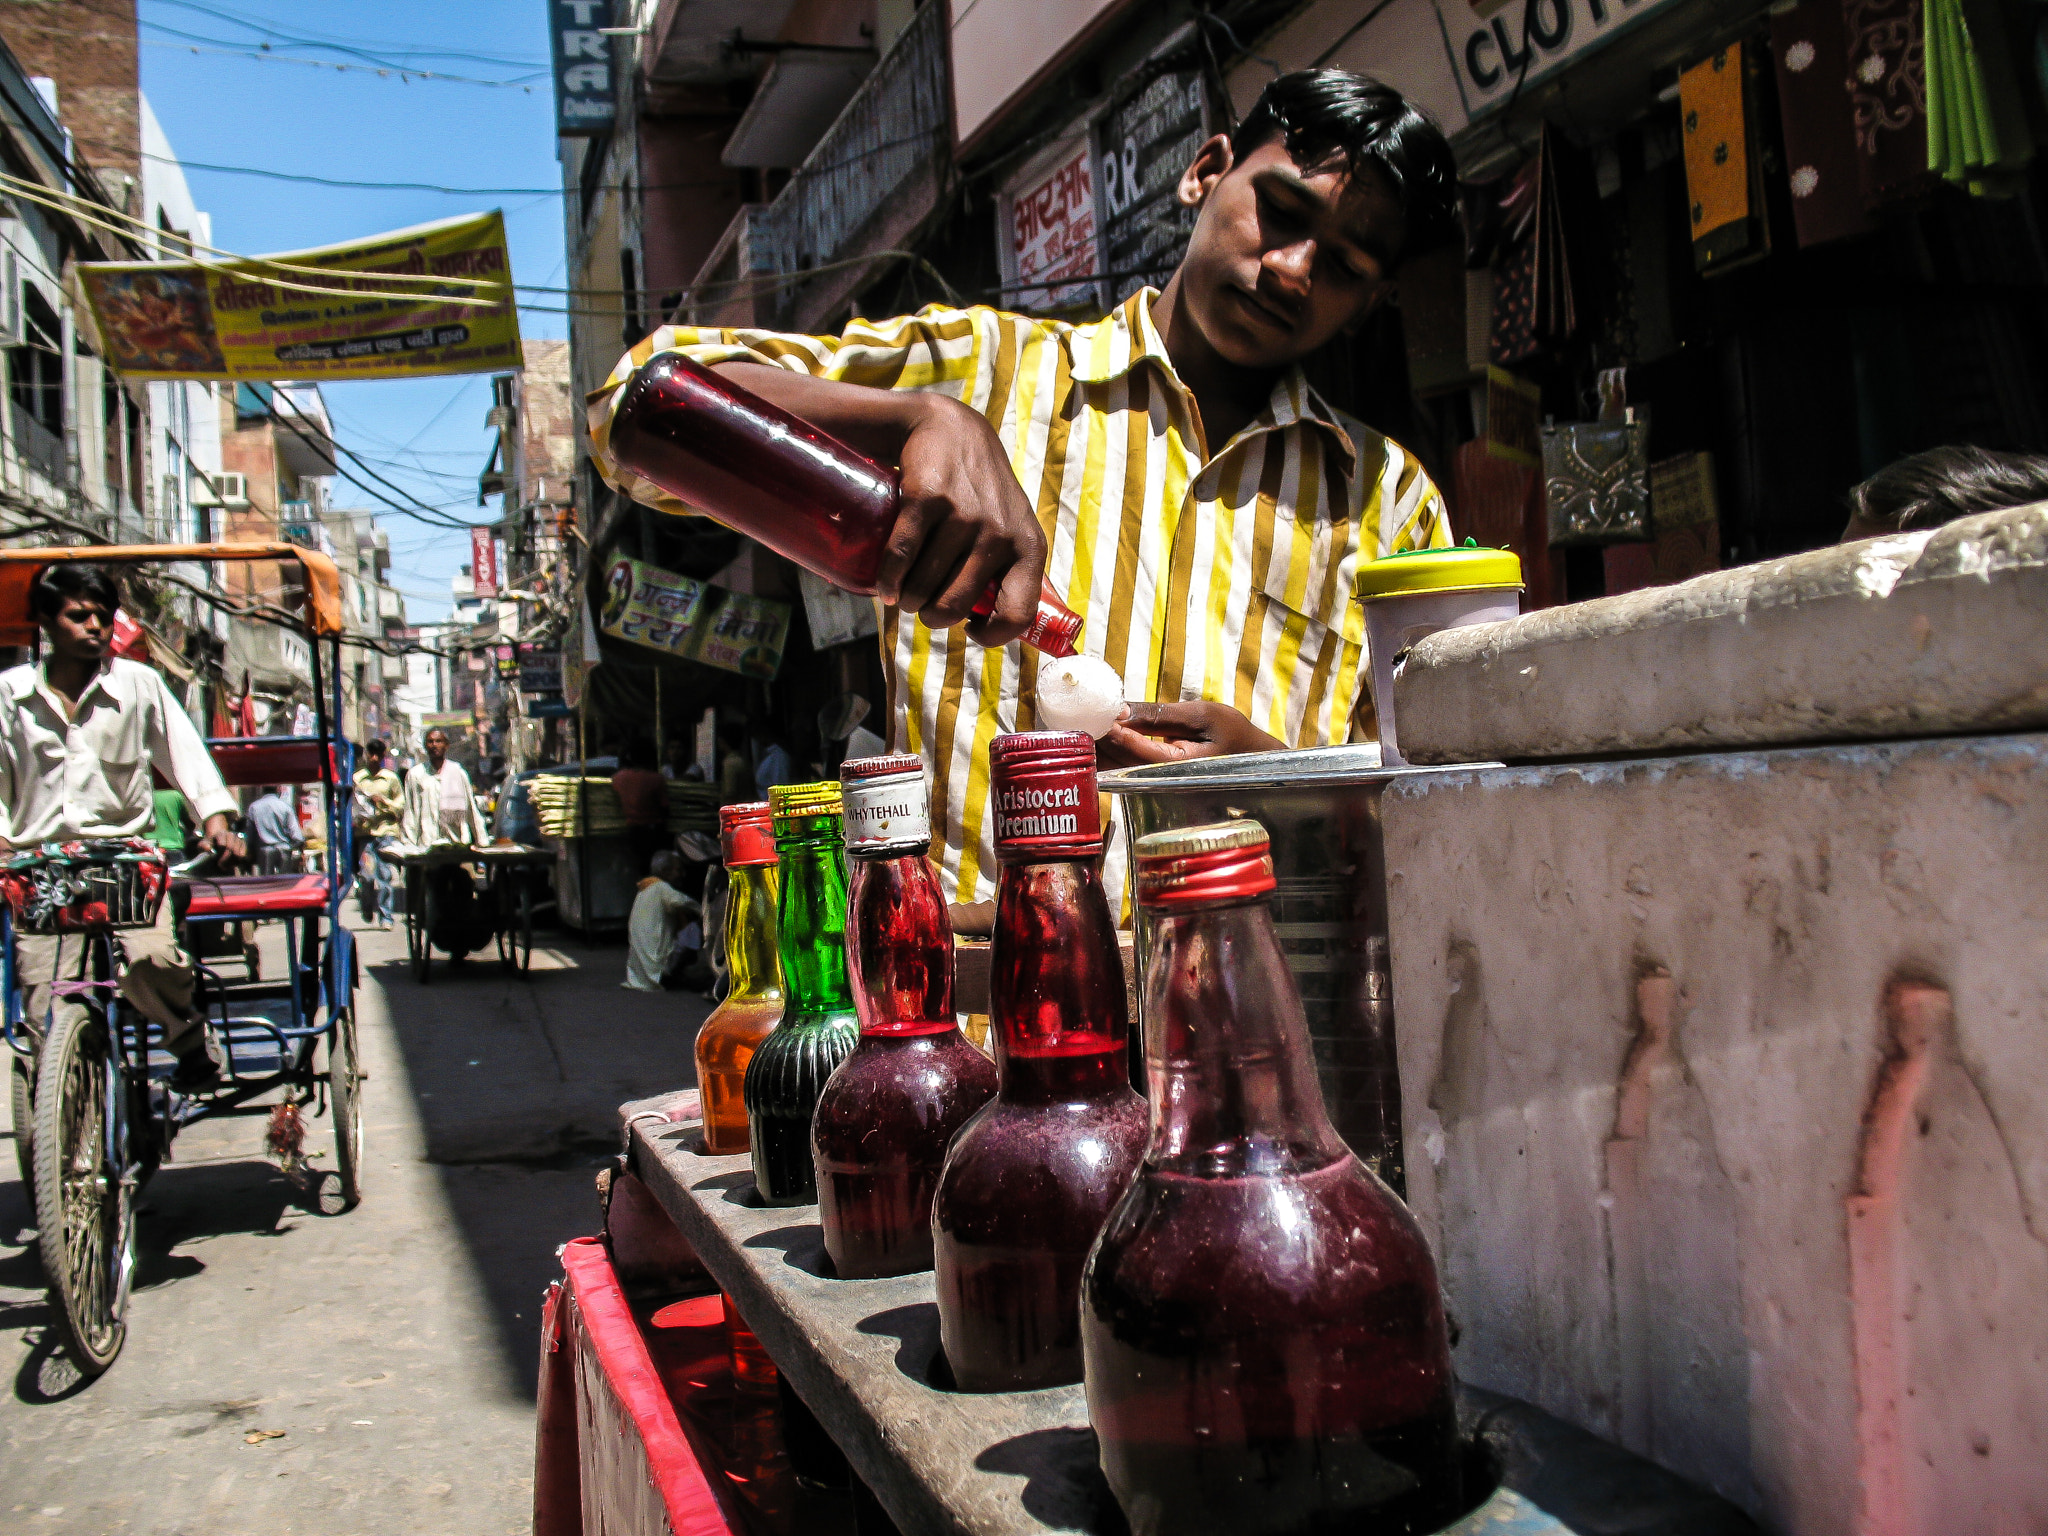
(38, 447)
(899, 121)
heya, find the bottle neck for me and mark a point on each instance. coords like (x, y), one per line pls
(811, 922)
(751, 962)
(1230, 1077)
(899, 950)
(1056, 984)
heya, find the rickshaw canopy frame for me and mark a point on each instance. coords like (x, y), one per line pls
(19, 567)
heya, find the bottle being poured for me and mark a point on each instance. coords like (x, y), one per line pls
(773, 476)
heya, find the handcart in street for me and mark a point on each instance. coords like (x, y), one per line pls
(509, 897)
(96, 1093)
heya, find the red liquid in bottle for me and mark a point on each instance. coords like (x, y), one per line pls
(883, 1123)
(1031, 1178)
(1266, 1349)
(774, 477)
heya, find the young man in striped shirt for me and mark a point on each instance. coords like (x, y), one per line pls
(1169, 468)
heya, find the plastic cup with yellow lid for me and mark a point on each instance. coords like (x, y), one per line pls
(1418, 592)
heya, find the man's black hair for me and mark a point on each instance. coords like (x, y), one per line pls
(1926, 490)
(376, 748)
(1326, 114)
(57, 583)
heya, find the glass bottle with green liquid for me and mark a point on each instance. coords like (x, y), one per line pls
(819, 1027)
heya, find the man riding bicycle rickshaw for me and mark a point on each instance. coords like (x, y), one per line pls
(80, 732)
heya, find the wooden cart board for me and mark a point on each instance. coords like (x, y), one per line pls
(513, 853)
(411, 856)
(864, 1357)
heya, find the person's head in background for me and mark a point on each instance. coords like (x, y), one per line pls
(373, 756)
(1926, 490)
(665, 866)
(436, 744)
(679, 757)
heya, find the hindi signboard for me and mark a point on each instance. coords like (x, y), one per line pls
(336, 312)
(1049, 230)
(688, 618)
(586, 99)
(1148, 138)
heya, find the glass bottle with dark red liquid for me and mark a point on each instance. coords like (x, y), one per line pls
(818, 1025)
(773, 476)
(1265, 1339)
(753, 1001)
(1030, 1179)
(886, 1117)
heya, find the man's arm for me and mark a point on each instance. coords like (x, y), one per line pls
(965, 524)
(178, 752)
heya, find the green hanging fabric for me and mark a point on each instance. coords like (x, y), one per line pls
(1977, 134)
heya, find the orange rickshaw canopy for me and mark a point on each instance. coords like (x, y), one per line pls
(18, 568)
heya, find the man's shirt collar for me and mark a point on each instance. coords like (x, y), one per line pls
(1115, 345)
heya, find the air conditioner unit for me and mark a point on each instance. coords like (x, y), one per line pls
(203, 492)
(234, 489)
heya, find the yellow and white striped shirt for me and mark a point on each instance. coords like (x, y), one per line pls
(1225, 577)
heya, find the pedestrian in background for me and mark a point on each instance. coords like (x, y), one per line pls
(662, 934)
(274, 826)
(174, 826)
(772, 767)
(379, 808)
(440, 809)
(643, 800)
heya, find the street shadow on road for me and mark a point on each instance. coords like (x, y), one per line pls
(517, 1081)
(182, 1208)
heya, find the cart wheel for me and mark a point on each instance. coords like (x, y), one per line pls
(344, 1099)
(419, 923)
(85, 1210)
(515, 923)
(24, 1106)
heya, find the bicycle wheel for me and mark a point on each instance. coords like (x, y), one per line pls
(344, 1101)
(85, 1209)
(24, 1107)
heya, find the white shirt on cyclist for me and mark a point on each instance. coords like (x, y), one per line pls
(70, 772)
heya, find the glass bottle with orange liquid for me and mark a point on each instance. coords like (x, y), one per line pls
(753, 1005)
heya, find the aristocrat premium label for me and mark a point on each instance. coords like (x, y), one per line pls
(892, 811)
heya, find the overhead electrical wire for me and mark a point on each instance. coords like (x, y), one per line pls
(308, 36)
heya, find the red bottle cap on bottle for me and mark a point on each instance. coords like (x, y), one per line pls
(1192, 866)
(1042, 793)
(747, 833)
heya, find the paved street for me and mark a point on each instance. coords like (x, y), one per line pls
(388, 1354)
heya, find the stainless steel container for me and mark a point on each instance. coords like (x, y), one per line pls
(1321, 808)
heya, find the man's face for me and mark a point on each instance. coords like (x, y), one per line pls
(374, 759)
(437, 747)
(80, 630)
(1283, 256)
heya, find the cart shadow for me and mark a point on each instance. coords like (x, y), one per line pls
(1063, 1485)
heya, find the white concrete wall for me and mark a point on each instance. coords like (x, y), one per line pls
(1725, 1086)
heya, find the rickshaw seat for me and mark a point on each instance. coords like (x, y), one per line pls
(258, 895)
(247, 760)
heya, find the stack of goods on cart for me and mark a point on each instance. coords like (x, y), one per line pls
(577, 807)
(692, 807)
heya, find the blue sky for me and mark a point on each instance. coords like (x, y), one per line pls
(221, 106)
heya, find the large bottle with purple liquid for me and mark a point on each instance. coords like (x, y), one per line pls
(773, 476)
(1265, 1341)
(1030, 1179)
(890, 1110)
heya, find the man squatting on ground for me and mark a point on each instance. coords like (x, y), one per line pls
(79, 733)
(1199, 505)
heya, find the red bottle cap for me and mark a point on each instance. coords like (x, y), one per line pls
(1192, 866)
(887, 806)
(747, 833)
(1042, 792)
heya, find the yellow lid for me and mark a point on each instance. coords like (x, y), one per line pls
(1463, 568)
(790, 801)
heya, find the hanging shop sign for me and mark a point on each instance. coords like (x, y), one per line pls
(692, 619)
(261, 317)
(1047, 217)
(483, 563)
(1142, 144)
(586, 100)
(1500, 48)
(540, 669)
